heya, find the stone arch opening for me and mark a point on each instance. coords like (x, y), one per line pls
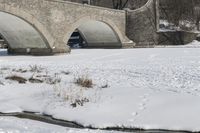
(94, 34)
(21, 37)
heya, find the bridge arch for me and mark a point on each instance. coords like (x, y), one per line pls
(106, 27)
(34, 37)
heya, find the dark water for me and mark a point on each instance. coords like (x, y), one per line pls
(3, 52)
(48, 119)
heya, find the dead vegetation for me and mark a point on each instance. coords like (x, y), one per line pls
(53, 80)
(104, 86)
(22, 80)
(1, 83)
(43, 76)
(79, 102)
(84, 81)
(36, 68)
(19, 79)
(75, 95)
(19, 70)
(38, 76)
(65, 72)
(4, 68)
(35, 80)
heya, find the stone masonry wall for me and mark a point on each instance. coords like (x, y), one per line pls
(142, 25)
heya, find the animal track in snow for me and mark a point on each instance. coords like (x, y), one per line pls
(141, 106)
(144, 101)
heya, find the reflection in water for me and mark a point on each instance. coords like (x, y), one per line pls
(3, 52)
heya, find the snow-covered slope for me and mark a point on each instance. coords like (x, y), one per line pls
(146, 88)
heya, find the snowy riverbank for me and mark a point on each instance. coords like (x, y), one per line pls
(156, 88)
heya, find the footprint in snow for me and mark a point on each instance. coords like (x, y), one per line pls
(142, 105)
(134, 113)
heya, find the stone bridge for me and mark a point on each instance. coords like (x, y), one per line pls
(45, 26)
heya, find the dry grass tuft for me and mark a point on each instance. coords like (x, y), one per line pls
(84, 82)
(79, 102)
(36, 69)
(53, 80)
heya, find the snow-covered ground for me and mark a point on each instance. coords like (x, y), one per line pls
(16, 125)
(156, 88)
(165, 25)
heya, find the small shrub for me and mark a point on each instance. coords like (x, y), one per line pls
(84, 82)
(19, 79)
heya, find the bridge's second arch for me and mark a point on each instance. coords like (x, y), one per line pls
(88, 33)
